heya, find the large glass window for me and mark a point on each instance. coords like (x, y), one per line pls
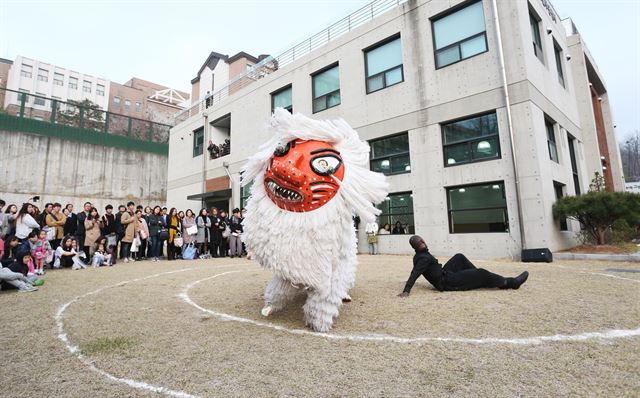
(198, 142)
(326, 89)
(478, 208)
(471, 140)
(43, 75)
(534, 21)
(73, 83)
(245, 192)
(551, 140)
(390, 155)
(558, 53)
(127, 105)
(23, 95)
(282, 99)
(384, 65)
(58, 79)
(459, 35)
(100, 89)
(116, 102)
(26, 71)
(86, 86)
(39, 100)
(559, 190)
(574, 163)
(397, 211)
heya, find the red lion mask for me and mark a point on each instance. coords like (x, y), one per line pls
(301, 175)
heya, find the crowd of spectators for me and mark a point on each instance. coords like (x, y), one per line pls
(218, 151)
(32, 240)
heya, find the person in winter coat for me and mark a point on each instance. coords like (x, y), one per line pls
(156, 222)
(215, 232)
(25, 223)
(71, 224)
(8, 221)
(204, 226)
(174, 226)
(80, 232)
(144, 237)
(56, 219)
(223, 223)
(130, 223)
(188, 221)
(235, 243)
(92, 227)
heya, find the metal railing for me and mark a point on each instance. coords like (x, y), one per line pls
(274, 63)
(81, 115)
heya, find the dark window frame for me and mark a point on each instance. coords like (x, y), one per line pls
(551, 139)
(557, 52)
(534, 20)
(391, 215)
(571, 140)
(371, 158)
(278, 91)
(365, 52)
(446, 13)
(471, 141)
(198, 150)
(558, 185)
(505, 207)
(325, 96)
(245, 193)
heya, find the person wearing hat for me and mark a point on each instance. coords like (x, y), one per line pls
(457, 274)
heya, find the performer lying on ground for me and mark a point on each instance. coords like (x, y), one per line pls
(457, 274)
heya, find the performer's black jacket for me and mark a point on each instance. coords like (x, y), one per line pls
(425, 264)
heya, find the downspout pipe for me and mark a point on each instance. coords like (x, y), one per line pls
(205, 140)
(510, 122)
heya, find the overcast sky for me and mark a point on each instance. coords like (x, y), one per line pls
(167, 41)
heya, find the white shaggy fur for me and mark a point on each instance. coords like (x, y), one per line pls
(311, 251)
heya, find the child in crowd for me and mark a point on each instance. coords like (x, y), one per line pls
(101, 253)
(15, 275)
(78, 257)
(40, 250)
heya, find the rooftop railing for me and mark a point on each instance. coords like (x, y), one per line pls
(80, 121)
(273, 63)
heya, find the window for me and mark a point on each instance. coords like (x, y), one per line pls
(390, 155)
(551, 140)
(326, 89)
(471, 140)
(127, 105)
(477, 208)
(23, 95)
(245, 192)
(138, 107)
(43, 75)
(73, 82)
(574, 163)
(397, 207)
(26, 71)
(100, 89)
(86, 86)
(116, 102)
(558, 53)
(198, 142)
(38, 100)
(282, 99)
(559, 190)
(459, 35)
(384, 65)
(58, 79)
(534, 20)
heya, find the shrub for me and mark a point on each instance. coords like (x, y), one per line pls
(599, 211)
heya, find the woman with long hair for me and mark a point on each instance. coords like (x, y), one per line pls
(92, 226)
(204, 226)
(25, 221)
(175, 226)
(155, 223)
(8, 221)
(188, 221)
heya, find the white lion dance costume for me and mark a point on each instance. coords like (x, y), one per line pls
(309, 180)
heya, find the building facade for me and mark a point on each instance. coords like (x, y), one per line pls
(44, 80)
(475, 110)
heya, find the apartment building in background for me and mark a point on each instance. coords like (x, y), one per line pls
(481, 117)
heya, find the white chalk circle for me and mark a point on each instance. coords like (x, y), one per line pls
(600, 335)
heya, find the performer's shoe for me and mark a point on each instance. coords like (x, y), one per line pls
(346, 299)
(519, 280)
(266, 311)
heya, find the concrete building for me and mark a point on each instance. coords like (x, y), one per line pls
(50, 81)
(480, 113)
(5, 67)
(143, 99)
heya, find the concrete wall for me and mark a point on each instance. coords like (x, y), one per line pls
(427, 98)
(71, 172)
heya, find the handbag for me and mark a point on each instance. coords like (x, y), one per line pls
(177, 240)
(192, 230)
(51, 233)
(112, 239)
(189, 252)
(226, 232)
(163, 234)
(143, 234)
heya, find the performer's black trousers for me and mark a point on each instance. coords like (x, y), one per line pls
(460, 274)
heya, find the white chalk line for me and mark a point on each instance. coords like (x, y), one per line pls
(603, 335)
(75, 350)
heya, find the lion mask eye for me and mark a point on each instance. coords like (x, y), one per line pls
(325, 165)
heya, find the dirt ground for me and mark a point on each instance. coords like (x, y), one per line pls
(144, 331)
